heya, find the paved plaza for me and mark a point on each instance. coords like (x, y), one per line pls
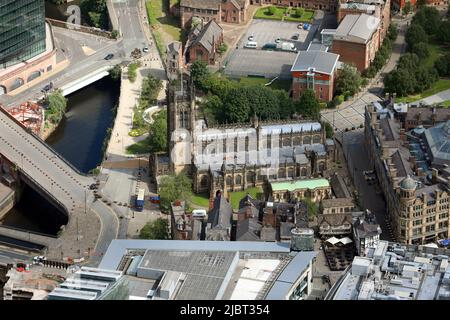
(350, 113)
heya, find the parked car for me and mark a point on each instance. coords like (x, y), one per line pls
(109, 56)
(269, 46)
(251, 38)
(277, 40)
(145, 49)
(306, 26)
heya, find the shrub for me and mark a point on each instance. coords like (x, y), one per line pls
(271, 10)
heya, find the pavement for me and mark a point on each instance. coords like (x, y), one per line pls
(434, 99)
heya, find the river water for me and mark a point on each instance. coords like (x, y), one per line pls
(79, 139)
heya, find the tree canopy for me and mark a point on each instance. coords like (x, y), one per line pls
(57, 105)
(174, 187)
(155, 230)
(349, 81)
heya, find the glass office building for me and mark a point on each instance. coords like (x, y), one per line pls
(22, 30)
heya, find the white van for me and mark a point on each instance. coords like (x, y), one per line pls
(251, 45)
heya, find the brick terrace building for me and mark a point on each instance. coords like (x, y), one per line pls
(357, 40)
(314, 70)
(231, 11)
(204, 42)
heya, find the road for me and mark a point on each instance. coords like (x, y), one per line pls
(70, 42)
(370, 195)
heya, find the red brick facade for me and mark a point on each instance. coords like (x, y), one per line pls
(227, 11)
(358, 54)
(327, 5)
(324, 92)
(198, 52)
(399, 4)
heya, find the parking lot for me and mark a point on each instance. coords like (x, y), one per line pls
(244, 62)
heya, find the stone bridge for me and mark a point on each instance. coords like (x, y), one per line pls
(91, 224)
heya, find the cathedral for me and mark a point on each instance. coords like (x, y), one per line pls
(235, 157)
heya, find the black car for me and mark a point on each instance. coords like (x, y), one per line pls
(109, 56)
(295, 36)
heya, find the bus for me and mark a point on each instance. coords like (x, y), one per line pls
(140, 200)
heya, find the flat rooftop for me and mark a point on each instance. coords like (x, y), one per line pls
(396, 272)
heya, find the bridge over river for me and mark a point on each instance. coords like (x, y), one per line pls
(91, 224)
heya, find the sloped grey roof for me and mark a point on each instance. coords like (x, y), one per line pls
(220, 215)
(209, 34)
(321, 61)
(174, 47)
(337, 202)
(357, 28)
(438, 139)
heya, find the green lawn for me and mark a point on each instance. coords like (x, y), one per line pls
(263, 13)
(441, 85)
(277, 84)
(235, 197)
(169, 24)
(435, 51)
(445, 104)
(200, 200)
(139, 148)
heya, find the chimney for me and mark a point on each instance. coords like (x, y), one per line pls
(434, 175)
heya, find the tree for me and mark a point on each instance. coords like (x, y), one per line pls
(222, 48)
(213, 109)
(312, 207)
(348, 81)
(299, 12)
(400, 81)
(408, 61)
(271, 10)
(115, 34)
(237, 106)
(198, 71)
(444, 34)
(429, 19)
(415, 34)
(407, 8)
(392, 31)
(421, 50)
(158, 133)
(116, 72)
(57, 105)
(420, 3)
(174, 187)
(328, 129)
(96, 12)
(155, 230)
(442, 65)
(132, 72)
(308, 105)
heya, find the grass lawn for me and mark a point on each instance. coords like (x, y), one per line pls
(441, 85)
(263, 13)
(435, 51)
(277, 84)
(200, 200)
(169, 24)
(446, 103)
(235, 197)
(139, 148)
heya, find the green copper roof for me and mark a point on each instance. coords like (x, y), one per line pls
(300, 184)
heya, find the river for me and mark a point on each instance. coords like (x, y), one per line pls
(79, 139)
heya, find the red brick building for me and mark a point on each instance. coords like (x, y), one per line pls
(204, 42)
(230, 11)
(327, 5)
(357, 40)
(400, 4)
(316, 70)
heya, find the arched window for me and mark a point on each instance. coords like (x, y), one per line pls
(304, 172)
(321, 166)
(250, 177)
(316, 139)
(229, 181)
(281, 173)
(238, 180)
(307, 140)
(204, 181)
(286, 142)
(34, 75)
(291, 172)
(17, 84)
(297, 141)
